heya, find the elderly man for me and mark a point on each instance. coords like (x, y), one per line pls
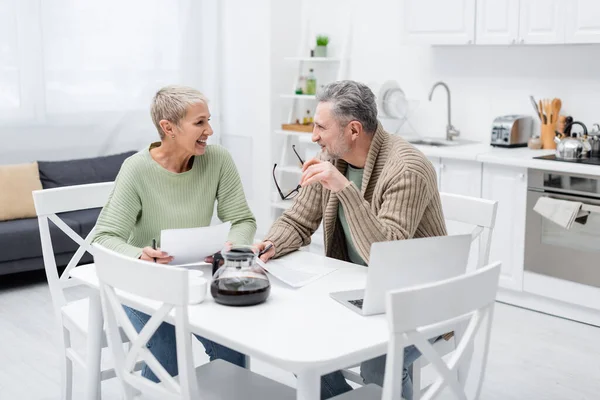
(367, 186)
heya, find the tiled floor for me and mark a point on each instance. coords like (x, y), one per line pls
(532, 356)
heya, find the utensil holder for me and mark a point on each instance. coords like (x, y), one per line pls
(548, 134)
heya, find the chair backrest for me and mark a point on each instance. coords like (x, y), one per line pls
(168, 285)
(422, 312)
(48, 203)
(473, 211)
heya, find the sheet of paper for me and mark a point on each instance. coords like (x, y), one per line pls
(298, 269)
(192, 245)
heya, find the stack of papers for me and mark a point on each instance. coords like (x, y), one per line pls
(192, 245)
(297, 269)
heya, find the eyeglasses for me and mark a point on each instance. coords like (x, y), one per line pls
(294, 192)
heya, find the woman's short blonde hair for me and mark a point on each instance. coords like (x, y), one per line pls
(171, 102)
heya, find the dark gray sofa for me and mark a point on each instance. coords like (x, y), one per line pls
(20, 239)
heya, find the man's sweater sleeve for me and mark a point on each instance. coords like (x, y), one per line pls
(297, 224)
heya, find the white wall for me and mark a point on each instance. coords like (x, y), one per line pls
(486, 81)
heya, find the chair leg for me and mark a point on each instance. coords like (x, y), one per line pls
(462, 370)
(416, 378)
(94, 348)
(66, 370)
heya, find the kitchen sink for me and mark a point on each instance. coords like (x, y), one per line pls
(438, 142)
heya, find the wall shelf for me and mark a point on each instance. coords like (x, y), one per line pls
(314, 59)
(300, 134)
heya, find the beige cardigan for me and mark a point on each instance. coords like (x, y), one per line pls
(399, 200)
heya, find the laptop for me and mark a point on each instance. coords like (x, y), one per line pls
(405, 263)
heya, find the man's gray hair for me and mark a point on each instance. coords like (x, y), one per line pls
(171, 103)
(351, 101)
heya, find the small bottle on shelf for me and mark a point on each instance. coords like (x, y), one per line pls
(311, 83)
(308, 119)
(301, 87)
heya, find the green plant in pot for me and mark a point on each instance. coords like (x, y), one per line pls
(321, 48)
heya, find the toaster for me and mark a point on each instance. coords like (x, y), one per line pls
(511, 130)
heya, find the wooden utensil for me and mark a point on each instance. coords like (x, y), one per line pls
(556, 106)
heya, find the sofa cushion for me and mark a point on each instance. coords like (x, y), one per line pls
(78, 172)
(21, 238)
(16, 184)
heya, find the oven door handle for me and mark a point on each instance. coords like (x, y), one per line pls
(586, 202)
(590, 208)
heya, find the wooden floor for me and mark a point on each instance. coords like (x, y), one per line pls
(533, 356)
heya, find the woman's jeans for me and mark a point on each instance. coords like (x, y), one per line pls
(372, 371)
(163, 348)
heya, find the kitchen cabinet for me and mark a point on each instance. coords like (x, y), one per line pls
(582, 19)
(542, 21)
(508, 186)
(439, 21)
(485, 22)
(497, 22)
(460, 177)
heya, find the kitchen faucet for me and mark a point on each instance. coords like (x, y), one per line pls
(451, 131)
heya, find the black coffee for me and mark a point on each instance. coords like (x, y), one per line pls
(240, 291)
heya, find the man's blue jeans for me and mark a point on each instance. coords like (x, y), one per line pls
(162, 346)
(372, 371)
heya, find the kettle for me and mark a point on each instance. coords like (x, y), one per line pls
(571, 148)
(240, 280)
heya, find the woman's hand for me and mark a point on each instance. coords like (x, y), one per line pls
(269, 253)
(157, 256)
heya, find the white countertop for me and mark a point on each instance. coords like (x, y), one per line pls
(518, 157)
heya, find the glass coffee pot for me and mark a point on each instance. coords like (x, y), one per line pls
(239, 280)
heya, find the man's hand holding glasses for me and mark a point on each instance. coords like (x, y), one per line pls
(326, 173)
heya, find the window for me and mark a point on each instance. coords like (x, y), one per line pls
(10, 98)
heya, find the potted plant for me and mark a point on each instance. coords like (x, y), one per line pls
(321, 49)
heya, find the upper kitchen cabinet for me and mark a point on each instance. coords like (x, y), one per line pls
(501, 21)
(582, 21)
(439, 21)
(497, 22)
(542, 21)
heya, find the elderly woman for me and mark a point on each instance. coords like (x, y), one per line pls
(174, 184)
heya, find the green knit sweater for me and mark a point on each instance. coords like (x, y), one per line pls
(147, 198)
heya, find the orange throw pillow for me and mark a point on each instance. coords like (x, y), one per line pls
(16, 184)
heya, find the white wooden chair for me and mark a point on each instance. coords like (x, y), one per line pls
(481, 215)
(169, 287)
(73, 316)
(413, 317)
(477, 214)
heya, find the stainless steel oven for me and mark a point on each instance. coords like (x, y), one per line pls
(573, 254)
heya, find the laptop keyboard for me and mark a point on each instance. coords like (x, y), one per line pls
(358, 303)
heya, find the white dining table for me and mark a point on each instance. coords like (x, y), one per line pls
(303, 331)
